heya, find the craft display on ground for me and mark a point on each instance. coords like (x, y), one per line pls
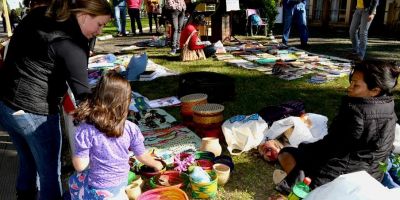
(99, 64)
(176, 139)
(178, 146)
(286, 63)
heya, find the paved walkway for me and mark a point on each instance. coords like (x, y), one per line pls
(8, 167)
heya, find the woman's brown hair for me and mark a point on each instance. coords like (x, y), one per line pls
(107, 108)
(61, 10)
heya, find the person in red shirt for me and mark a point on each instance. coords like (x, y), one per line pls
(195, 42)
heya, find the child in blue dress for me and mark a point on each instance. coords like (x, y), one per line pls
(103, 140)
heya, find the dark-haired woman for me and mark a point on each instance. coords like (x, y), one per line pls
(361, 135)
(48, 49)
(195, 41)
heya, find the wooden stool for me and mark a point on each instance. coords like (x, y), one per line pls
(208, 119)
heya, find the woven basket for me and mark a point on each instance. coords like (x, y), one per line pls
(204, 155)
(164, 193)
(208, 119)
(187, 103)
(167, 179)
(205, 190)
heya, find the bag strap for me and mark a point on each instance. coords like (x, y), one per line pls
(190, 36)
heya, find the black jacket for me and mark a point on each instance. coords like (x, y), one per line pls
(360, 137)
(43, 55)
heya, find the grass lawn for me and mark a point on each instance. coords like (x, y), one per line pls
(110, 28)
(252, 177)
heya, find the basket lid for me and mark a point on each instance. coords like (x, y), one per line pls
(208, 108)
(193, 97)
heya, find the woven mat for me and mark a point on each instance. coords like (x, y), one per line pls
(177, 139)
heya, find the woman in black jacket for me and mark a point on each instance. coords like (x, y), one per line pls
(360, 136)
(49, 49)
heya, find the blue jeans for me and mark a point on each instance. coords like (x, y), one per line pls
(177, 23)
(295, 12)
(120, 17)
(37, 139)
(359, 31)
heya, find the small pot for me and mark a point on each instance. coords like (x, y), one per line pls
(133, 191)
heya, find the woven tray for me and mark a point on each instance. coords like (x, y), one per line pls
(193, 97)
(208, 109)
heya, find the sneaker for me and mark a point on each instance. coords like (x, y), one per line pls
(278, 176)
(283, 187)
(172, 52)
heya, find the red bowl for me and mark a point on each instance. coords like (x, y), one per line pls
(205, 164)
(173, 178)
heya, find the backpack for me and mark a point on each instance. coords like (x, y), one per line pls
(276, 112)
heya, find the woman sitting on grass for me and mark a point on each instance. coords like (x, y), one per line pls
(360, 137)
(195, 42)
(102, 141)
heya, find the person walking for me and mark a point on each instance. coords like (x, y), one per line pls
(134, 13)
(177, 8)
(295, 10)
(152, 8)
(49, 48)
(120, 16)
(362, 19)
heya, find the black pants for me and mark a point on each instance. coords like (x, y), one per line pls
(151, 17)
(134, 14)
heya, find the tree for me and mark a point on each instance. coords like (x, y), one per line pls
(269, 10)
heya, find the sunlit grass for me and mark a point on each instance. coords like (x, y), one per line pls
(252, 177)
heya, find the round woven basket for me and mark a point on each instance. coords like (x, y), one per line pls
(164, 193)
(205, 190)
(167, 179)
(187, 103)
(208, 119)
(204, 155)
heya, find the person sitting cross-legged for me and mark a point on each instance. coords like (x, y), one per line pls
(195, 41)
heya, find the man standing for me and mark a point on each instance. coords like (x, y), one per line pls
(295, 10)
(362, 19)
(177, 9)
(120, 16)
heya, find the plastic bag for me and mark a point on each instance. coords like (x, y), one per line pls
(301, 132)
(244, 132)
(354, 186)
(396, 142)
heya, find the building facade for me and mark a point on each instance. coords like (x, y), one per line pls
(339, 13)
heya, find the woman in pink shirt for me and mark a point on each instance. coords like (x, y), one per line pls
(134, 13)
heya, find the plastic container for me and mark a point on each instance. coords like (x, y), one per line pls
(300, 190)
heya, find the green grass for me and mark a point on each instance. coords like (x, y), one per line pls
(252, 177)
(110, 28)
